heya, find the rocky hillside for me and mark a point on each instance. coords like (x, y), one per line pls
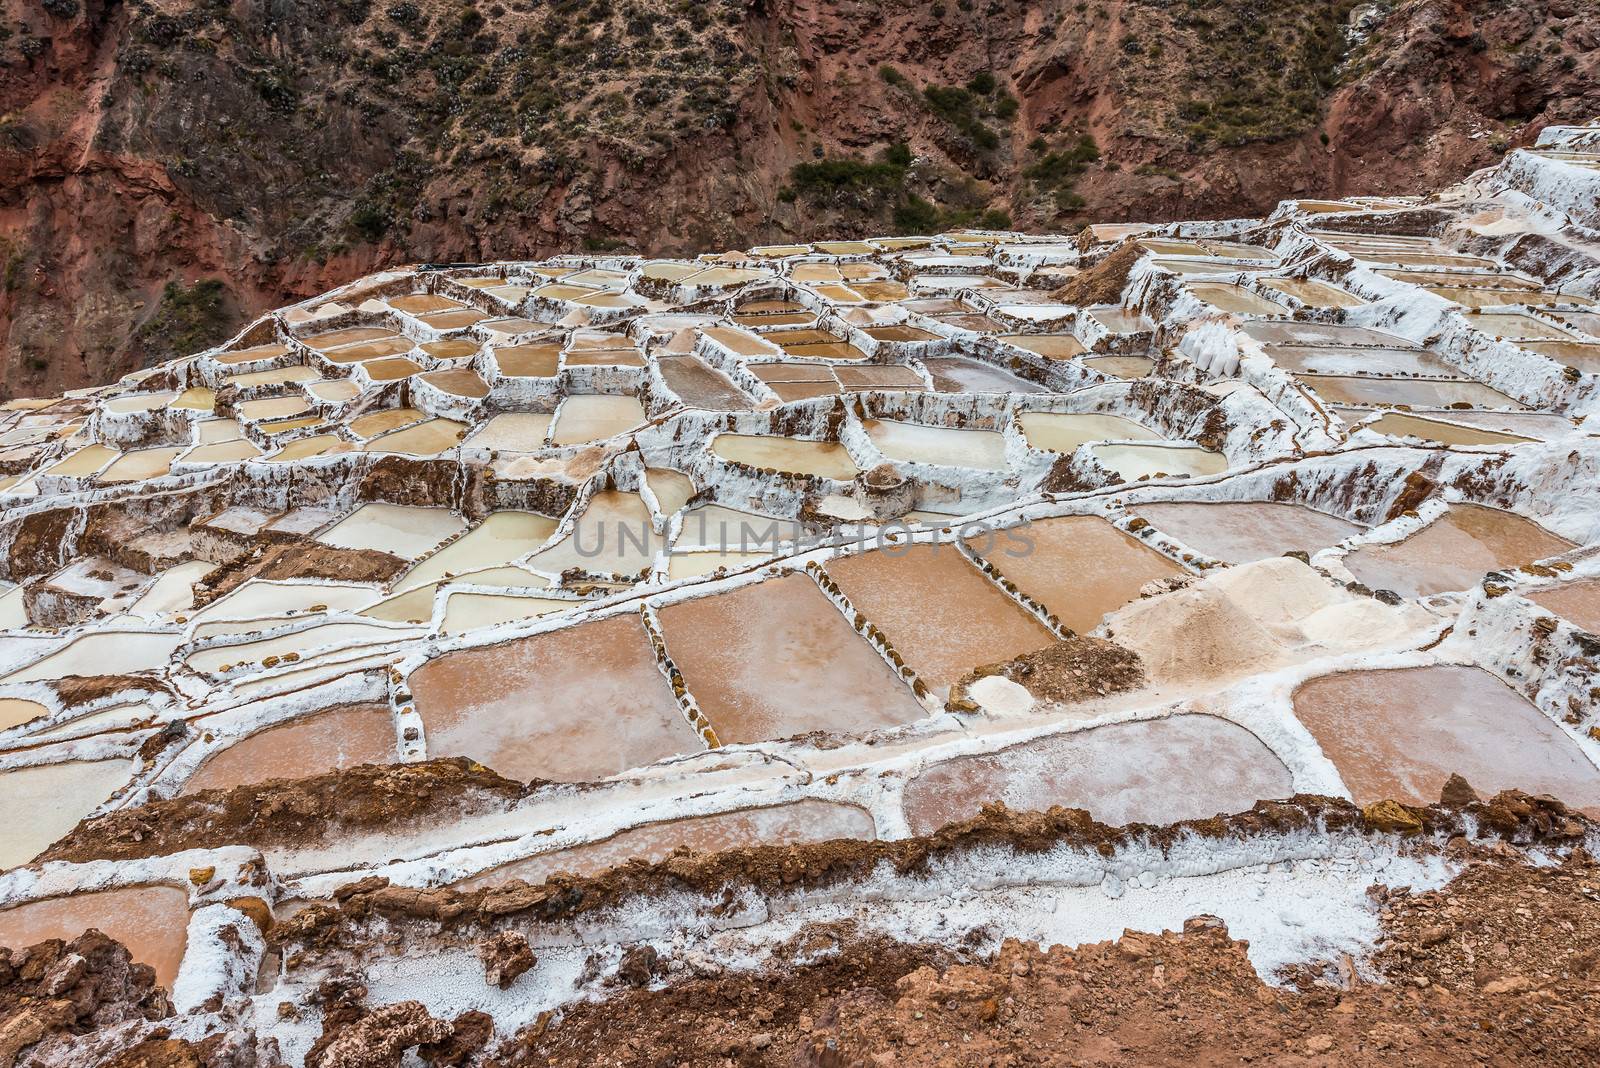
(168, 167)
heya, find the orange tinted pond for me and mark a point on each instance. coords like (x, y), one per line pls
(1155, 771)
(1401, 733)
(152, 921)
(1242, 531)
(791, 824)
(776, 659)
(938, 610)
(1454, 552)
(570, 705)
(327, 741)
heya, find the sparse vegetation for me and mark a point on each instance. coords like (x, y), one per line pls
(187, 319)
(1057, 171)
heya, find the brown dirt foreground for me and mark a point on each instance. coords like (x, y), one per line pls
(1500, 967)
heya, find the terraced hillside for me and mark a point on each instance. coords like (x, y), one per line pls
(169, 169)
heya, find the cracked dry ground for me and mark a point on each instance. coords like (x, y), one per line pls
(1500, 967)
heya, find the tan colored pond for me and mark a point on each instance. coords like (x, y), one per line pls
(376, 423)
(391, 370)
(1129, 367)
(450, 350)
(793, 824)
(469, 611)
(422, 303)
(528, 361)
(595, 417)
(139, 465)
(277, 376)
(272, 408)
(776, 659)
(1155, 771)
(671, 488)
(1242, 531)
(1051, 346)
(943, 616)
(1405, 425)
(1418, 392)
(400, 529)
(1401, 733)
(1228, 297)
(429, 438)
(46, 801)
(458, 383)
(1313, 292)
(915, 443)
(15, 711)
(512, 432)
(958, 374)
(499, 539)
(1065, 431)
(1454, 552)
(152, 921)
(701, 386)
(577, 704)
(268, 351)
(1079, 567)
(1576, 602)
(327, 741)
(1134, 462)
(613, 536)
(829, 459)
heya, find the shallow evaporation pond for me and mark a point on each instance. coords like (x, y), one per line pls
(1406, 425)
(1153, 771)
(672, 488)
(331, 740)
(1134, 462)
(499, 539)
(1345, 360)
(701, 386)
(593, 417)
(1128, 367)
(1414, 392)
(716, 526)
(470, 611)
(1241, 531)
(1225, 296)
(299, 644)
(1454, 552)
(571, 705)
(796, 823)
(429, 438)
(108, 653)
(828, 459)
(258, 598)
(15, 711)
(152, 921)
(1065, 431)
(915, 443)
(613, 536)
(512, 432)
(1079, 567)
(50, 799)
(397, 529)
(776, 658)
(687, 565)
(1401, 733)
(1576, 602)
(938, 610)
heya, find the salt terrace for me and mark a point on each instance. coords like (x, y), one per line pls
(816, 541)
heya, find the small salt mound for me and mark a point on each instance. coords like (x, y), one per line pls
(1277, 592)
(999, 696)
(1254, 617)
(1195, 633)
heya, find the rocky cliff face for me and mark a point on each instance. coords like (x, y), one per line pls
(170, 166)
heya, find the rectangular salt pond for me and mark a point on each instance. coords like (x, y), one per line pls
(300, 643)
(1576, 602)
(429, 438)
(915, 443)
(1050, 346)
(1417, 392)
(776, 659)
(1156, 771)
(46, 801)
(258, 598)
(151, 921)
(939, 611)
(1119, 320)
(1225, 296)
(501, 538)
(827, 459)
(103, 653)
(1341, 360)
(701, 386)
(672, 489)
(1406, 425)
(958, 374)
(1079, 567)
(790, 824)
(1402, 733)
(1313, 292)
(1065, 431)
(512, 432)
(528, 361)
(1454, 552)
(1584, 355)
(571, 705)
(397, 529)
(1134, 462)
(1242, 531)
(613, 536)
(469, 611)
(595, 417)
(1129, 367)
(1294, 333)
(139, 465)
